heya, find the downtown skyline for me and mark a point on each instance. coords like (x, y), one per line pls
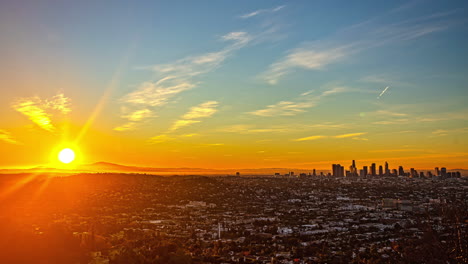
(262, 84)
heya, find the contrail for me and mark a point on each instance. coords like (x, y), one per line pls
(386, 88)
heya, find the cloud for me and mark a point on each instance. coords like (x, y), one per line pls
(203, 110)
(160, 139)
(182, 123)
(126, 127)
(309, 138)
(350, 41)
(59, 102)
(166, 138)
(139, 115)
(302, 58)
(252, 129)
(389, 113)
(354, 136)
(446, 132)
(175, 78)
(291, 108)
(395, 150)
(6, 137)
(284, 108)
(39, 111)
(262, 11)
(350, 135)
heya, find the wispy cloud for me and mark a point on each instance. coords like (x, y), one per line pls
(7, 137)
(305, 58)
(40, 111)
(253, 129)
(309, 138)
(160, 139)
(176, 78)
(446, 132)
(350, 41)
(355, 136)
(395, 150)
(262, 11)
(291, 108)
(351, 135)
(400, 118)
(183, 123)
(169, 138)
(203, 110)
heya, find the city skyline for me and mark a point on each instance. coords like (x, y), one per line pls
(223, 85)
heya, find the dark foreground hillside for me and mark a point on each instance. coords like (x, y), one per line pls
(124, 218)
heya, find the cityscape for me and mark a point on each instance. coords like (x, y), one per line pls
(142, 218)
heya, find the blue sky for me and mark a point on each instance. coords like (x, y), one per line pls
(297, 74)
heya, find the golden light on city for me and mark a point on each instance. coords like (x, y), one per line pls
(66, 155)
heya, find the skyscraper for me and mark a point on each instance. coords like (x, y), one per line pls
(373, 170)
(437, 172)
(380, 170)
(443, 172)
(387, 171)
(353, 170)
(338, 170)
(401, 171)
(365, 171)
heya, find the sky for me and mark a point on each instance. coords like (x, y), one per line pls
(235, 84)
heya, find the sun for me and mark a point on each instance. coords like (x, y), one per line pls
(66, 155)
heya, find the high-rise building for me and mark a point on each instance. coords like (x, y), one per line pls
(373, 170)
(395, 172)
(387, 171)
(437, 172)
(401, 171)
(314, 173)
(380, 170)
(353, 170)
(338, 170)
(443, 172)
(365, 170)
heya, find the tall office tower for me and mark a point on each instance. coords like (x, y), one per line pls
(421, 174)
(373, 170)
(443, 172)
(380, 170)
(353, 169)
(413, 172)
(395, 172)
(314, 173)
(437, 172)
(365, 170)
(338, 170)
(401, 171)
(335, 170)
(387, 171)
